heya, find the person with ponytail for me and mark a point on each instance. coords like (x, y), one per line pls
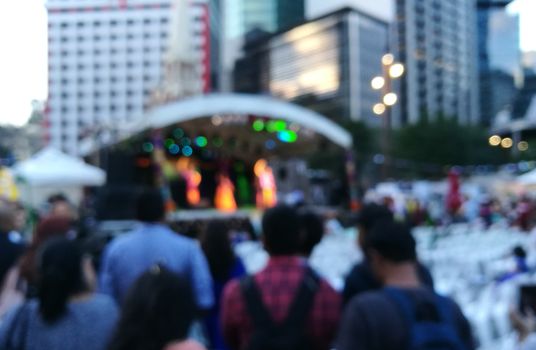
(66, 313)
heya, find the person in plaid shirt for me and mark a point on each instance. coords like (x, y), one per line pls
(278, 284)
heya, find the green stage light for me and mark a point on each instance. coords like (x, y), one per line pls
(218, 142)
(169, 142)
(271, 126)
(186, 142)
(201, 141)
(258, 125)
(280, 125)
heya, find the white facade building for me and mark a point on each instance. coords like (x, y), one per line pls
(105, 59)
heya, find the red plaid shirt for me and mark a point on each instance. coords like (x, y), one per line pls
(278, 284)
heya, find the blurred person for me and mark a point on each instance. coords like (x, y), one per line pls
(157, 313)
(312, 231)
(285, 303)
(59, 206)
(66, 314)
(524, 210)
(361, 278)
(11, 248)
(224, 266)
(11, 243)
(404, 314)
(127, 257)
(520, 266)
(51, 227)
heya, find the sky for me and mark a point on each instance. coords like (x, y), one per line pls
(23, 58)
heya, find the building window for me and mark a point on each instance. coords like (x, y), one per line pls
(64, 95)
(96, 66)
(64, 67)
(96, 94)
(81, 81)
(64, 53)
(113, 108)
(64, 39)
(96, 52)
(96, 38)
(113, 93)
(96, 109)
(130, 22)
(164, 20)
(113, 23)
(96, 80)
(64, 24)
(80, 24)
(80, 67)
(80, 109)
(164, 35)
(146, 35)
(80, 94)
(113, 37)
(130, 36)
(147, 21)
(130, 93)
(96, 23)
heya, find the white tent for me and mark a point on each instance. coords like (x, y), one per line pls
(50, 167)
(50, 171)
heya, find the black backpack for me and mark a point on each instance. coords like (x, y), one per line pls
(290, 334)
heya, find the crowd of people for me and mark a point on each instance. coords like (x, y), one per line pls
(154, 288)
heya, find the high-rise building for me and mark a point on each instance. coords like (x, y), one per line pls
(105, 59)
(244, 16)
(325, 64)
(437, 42)
(499, 57)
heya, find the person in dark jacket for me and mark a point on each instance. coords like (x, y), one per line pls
(361, 279)
(387, 318)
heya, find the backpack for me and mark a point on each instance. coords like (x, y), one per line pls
(428, 334)
(290, 334)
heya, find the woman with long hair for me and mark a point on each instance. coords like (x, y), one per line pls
(224, 265)
(157, 314)
(67, 314)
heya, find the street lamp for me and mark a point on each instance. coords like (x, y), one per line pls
(391, 70)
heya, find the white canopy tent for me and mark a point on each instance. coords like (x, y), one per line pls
(50, 171)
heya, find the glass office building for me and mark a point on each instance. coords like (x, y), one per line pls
(325, 64)
(498, 57)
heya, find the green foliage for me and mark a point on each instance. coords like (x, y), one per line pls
(445, 142)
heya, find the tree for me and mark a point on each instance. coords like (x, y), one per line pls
(445, 142)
